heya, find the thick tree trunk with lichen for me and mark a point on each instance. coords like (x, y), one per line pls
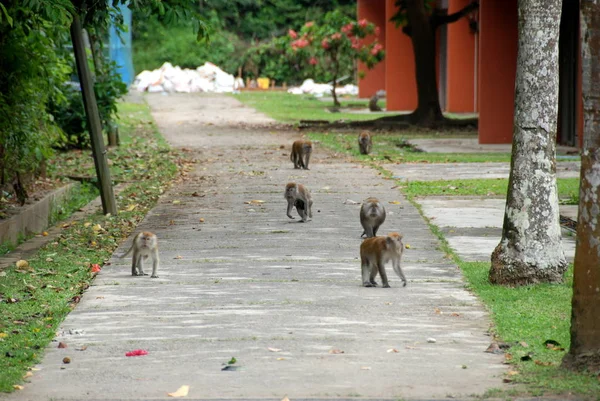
(530, 249)
(584, 353)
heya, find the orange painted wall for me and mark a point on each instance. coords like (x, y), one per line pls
(461, 63)
(400, 81)
(498, 43)
(374, 79)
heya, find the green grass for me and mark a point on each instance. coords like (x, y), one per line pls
(568, 188)
(33, 302)
(531, 315)
(288, 108)
(393, 147)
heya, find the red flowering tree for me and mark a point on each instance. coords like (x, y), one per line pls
(336, 45)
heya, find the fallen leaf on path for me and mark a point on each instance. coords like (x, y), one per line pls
(201, 219)
(274, 349)
(437, 311)
(181, 392)
(45, 233)
(350, 202)
(392, 350)
(431, 340)
(254, 202)
(454, 314)
(365, 368)
(82, 348)
(62, 345)
(27, 375)
(178, 257)
(17, 387)
(232, 361)
(394, 202)
(281, 359)
(336, 351)
(407, 246)
(66, 360)
(512, 373)
(176, 202)
(137, 352)
(95, 268)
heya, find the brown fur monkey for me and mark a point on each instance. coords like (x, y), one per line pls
(145, 244)
(301, 151)
(364, 143)
(297, 195)
(372, 215)
(375, 253)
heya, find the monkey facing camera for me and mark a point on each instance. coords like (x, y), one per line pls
(299, 197)
(145, 245)
(372, 216)
(375, 252)
(364, 143)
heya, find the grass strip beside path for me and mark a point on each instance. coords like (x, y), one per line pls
(35, 299)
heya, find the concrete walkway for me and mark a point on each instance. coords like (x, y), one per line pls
(283, 298)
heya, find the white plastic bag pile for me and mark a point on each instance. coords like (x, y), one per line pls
(309, 86)
(206, 78)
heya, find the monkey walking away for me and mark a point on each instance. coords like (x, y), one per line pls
(301, 151)
(145, 244)
(297, 195)
(364, 143)
(375, 252)
(372, 215)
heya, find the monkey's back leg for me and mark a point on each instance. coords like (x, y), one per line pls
(383, 274)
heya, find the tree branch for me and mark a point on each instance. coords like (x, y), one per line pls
(440, 19)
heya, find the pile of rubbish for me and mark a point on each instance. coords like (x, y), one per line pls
(309, 86)
(169, 78)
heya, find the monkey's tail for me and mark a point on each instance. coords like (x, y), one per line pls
(128, 252)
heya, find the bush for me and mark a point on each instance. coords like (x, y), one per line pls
(69, 112)
(30, 72)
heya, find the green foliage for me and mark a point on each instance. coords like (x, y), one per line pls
(154, 44)
(69, 112)
(30, 72)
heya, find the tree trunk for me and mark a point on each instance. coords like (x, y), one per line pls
(428, 112)
(584, 353)
(530, 249)
(336, 68)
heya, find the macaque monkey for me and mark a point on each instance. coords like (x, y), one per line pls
(364, 143)
(372, 215)
(297, 195)
(300, 155)
(375, 253)
(145, 244)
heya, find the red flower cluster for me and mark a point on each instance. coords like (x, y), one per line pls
(376, 49)
(293, 34)
(300, 43)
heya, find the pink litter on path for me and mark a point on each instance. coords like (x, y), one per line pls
(137, 352)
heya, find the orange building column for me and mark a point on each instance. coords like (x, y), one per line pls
(373, 79)
(498, 44)
(400, 81)
(461, 63)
